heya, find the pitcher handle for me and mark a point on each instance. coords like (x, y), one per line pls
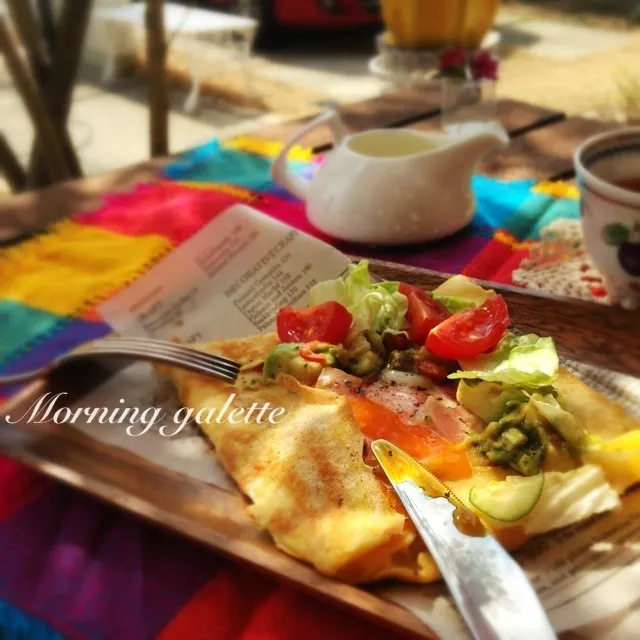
(280, 170)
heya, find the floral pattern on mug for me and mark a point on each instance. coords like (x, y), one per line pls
(628, 242)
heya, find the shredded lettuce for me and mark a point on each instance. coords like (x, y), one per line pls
(527, 361)
(375, 306)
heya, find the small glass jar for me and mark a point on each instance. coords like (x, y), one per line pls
(467, 104)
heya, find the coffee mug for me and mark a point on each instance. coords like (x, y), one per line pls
(608, 173)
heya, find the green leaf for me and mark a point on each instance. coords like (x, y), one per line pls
(527, 361)
(615, 234)
(375, 306)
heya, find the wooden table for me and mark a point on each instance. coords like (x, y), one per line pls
(543, 142)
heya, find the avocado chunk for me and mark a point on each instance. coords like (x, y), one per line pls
(488, 400)
(362, 358)
(366, 365)
(517, 440)
(286, 358)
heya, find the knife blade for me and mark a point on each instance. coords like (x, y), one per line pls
(492, 592)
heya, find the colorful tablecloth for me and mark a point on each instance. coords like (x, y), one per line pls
(71, 567)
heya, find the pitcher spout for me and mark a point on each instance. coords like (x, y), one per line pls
(481, 140)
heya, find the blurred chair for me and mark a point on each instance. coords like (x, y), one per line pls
(43, 60)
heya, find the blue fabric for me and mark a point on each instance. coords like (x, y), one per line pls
(20, 323)
(17, 625)
(497, 200)
(68, 336)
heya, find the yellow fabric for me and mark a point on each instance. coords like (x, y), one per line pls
(557, 189)
(268, 148)
(239, 192)
(514, 243)
(74, 266)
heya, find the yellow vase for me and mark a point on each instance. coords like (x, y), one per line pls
(425, 24)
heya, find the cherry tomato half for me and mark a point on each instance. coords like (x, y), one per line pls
(471, 332)
(423, 313)
(327, 322)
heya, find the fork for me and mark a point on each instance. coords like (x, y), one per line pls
(147, 349)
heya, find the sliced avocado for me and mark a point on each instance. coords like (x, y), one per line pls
(454, 304)
(285, 358)
(463, 288)
(488, 400)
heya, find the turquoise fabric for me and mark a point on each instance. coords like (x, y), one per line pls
(496, 201)
(514, 207)
(214, 163)
(21, 323)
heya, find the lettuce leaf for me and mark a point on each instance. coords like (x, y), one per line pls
(376, 306)
(569, 497)
(561, 420)
(527, 361)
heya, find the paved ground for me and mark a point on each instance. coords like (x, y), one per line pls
(571, 66)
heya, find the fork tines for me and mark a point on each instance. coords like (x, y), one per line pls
(171, 353)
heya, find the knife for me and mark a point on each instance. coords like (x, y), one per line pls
(490, 589)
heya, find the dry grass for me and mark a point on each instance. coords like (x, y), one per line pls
(603, 13)
(605, 86)
(629, 83)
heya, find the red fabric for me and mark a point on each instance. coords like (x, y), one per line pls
(497, 261)
(152, 210)
(240, 604)
(19, 485)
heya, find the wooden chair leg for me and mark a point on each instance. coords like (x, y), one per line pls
(58, 88)
(10, 166)
(48, 24)
(157, 78)
(24, 82)
(26, 22)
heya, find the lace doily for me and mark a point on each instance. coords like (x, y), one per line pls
(561, 265)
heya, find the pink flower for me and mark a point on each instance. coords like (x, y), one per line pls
(453, 59)
(484, 66)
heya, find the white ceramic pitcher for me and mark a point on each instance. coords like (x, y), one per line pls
(390, 186)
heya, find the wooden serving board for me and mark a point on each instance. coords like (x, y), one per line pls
(216, 517)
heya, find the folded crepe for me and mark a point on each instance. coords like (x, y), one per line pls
(310, 489)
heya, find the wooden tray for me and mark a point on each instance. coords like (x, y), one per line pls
(587, 332)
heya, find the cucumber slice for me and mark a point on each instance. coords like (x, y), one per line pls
(509, 500)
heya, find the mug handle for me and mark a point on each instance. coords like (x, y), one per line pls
(280, 170)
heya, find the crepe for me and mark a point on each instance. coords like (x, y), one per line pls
(305, 476)
(310, 489)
